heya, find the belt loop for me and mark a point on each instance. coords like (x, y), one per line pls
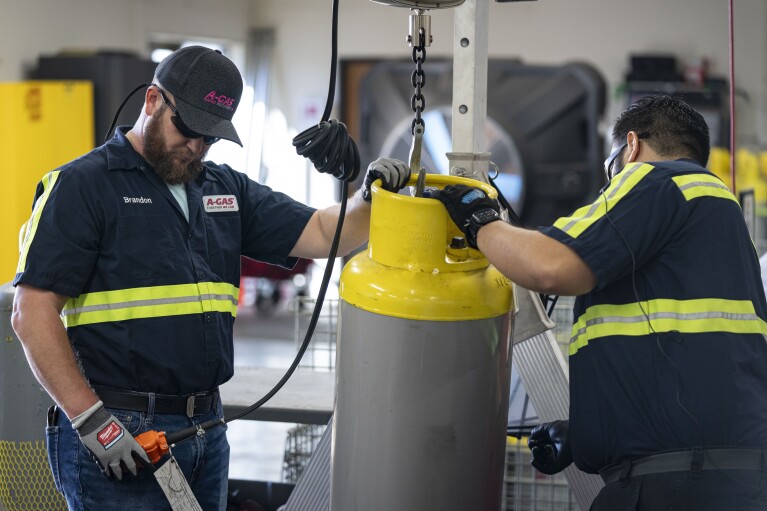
(151, 397)
(625, 472)
(764, 463)
(190, 406)
(53, 415)
(696, 466)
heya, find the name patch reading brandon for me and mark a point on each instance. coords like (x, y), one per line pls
(137, 200)
(220, 203)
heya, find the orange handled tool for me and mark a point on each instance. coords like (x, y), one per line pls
(157, 443)
(154, 443)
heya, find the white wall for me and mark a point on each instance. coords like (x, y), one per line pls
(30, 28)
(600, 32)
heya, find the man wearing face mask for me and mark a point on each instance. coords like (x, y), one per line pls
(668, 360)
(136, 246)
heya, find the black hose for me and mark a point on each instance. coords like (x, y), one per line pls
(328, 144)
(331, 149)
(513, 217)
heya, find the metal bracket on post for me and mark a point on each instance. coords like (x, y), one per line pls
(470, 165)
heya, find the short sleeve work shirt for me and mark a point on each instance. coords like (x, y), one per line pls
(668, 351)
(160, 291)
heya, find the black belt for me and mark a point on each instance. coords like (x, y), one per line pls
(682, 461)
(189, 405)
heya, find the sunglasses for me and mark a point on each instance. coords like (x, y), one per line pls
(179, 124)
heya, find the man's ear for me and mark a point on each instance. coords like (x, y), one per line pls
(632, 147)
(152, 101)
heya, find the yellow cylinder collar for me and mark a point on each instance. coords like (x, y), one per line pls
(410, 269)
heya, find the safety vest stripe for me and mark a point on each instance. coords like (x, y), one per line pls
(622, 184)
(150, 302)
(37, 210)
(663, 315)
(694, 186)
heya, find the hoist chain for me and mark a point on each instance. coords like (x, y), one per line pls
(418, 79)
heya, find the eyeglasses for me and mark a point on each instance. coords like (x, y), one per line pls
(179, 124)
(610, 161)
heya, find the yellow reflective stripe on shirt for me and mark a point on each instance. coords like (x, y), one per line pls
(664, 315)
(694, 186)
(621, 185)
(31, 228)
(150, 302)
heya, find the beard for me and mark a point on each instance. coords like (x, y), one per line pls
(173, 167)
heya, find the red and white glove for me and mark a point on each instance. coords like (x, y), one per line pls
(108, 441)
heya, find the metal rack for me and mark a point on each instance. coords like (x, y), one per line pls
(321, 353)
(299, 446)
(320, 356)
(529, 490)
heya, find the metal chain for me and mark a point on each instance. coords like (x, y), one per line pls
(418, 79)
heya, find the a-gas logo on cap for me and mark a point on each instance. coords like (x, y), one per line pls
(220, 100)
(220, 203)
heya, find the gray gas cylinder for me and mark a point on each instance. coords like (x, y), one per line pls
(423, 367)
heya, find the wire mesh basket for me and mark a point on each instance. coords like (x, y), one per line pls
(321, 353)
(527, 489)
(299, 446)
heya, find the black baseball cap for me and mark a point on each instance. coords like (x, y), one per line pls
(207, 88)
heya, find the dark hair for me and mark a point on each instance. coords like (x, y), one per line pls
(673, 127)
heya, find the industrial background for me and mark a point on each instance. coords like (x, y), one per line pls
(66, 65)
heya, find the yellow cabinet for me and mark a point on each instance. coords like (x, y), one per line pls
(43, 124)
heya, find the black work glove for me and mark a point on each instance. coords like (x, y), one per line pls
(470, 208)
(550, 447)
(394, 175)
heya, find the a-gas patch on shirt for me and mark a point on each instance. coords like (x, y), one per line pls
(220, 203)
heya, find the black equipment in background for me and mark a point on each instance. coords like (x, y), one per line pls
(114, 76)
(542, 128)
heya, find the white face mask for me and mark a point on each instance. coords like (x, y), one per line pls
(610, 164)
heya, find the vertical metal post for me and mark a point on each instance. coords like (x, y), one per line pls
(536, 354)
(469, 158)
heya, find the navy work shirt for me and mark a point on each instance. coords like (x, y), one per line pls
(668, 351)
(153, 296)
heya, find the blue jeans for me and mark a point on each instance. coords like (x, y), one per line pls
(204, 461)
